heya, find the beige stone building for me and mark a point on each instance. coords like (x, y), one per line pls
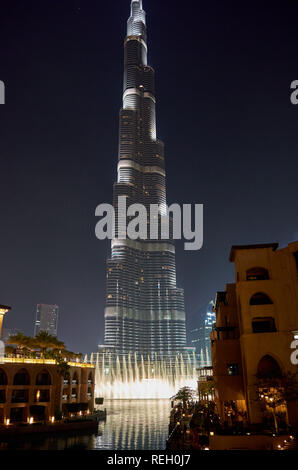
(256, 323)
(33, 389)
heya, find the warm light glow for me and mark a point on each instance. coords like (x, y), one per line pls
(52, 419)
(212, 433)
(80, 364)
(7, 421)
(31, 420)
(38, 395)
(142, 379)
(24, 360)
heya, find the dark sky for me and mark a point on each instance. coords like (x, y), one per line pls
(223, 71)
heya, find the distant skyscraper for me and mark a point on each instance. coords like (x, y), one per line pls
(144, 311)
(46, 319)
(201, 337)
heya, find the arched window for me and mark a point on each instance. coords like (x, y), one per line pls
(269, 368)
(263, 325)
(43, 378)
(257, 274)
(21, 378)
(259, 298)
(3, 377)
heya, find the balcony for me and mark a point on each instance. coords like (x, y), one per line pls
(206, 379)
(222, 333)
(205, 374)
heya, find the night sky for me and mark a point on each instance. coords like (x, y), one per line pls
(223, 75)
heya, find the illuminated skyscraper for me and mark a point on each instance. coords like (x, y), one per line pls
(46, 319)
(201, 337)
(144, 311)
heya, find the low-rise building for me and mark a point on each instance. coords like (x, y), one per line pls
(256, 321)
(36, 390)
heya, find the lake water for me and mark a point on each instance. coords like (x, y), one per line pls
(130, 425)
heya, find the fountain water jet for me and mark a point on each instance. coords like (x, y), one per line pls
(133, 377)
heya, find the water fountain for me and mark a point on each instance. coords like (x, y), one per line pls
(132, 377)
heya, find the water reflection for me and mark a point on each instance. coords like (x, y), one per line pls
(130, 425)
(65, 441)
(134, 425)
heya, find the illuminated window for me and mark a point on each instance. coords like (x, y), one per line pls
(257, 274)
(233, 369)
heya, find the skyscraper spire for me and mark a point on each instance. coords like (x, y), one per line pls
(144, 308)
(136, 24)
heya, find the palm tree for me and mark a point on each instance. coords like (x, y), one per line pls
(63, 368)
(23, 342)
(184, 395)
(10, 350)
(44, 341)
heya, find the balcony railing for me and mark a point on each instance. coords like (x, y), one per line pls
(206, 378)
(220, 333)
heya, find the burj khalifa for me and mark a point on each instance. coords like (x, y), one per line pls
(144, 311)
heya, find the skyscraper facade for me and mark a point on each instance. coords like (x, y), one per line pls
(144, 311)
(200, 337)
(46, 319)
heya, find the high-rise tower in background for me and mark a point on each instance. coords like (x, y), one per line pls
(144, 311)
(200, 337)
(46, 319)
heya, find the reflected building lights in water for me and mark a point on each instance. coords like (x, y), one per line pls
(134, 425)
(129, 425)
